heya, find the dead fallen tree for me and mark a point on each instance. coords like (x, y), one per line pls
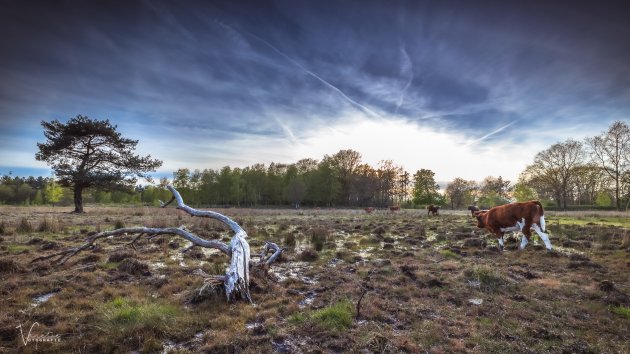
(236, 280)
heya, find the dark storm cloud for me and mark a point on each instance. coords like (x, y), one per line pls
(271, 68)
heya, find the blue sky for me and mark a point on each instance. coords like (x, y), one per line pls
(466, 89)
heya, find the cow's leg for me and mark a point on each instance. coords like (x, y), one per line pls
(500, 240)
(524, 241)
(520, 224)
(526, 230)
(543, 236)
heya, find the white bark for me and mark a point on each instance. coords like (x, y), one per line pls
(236, 279)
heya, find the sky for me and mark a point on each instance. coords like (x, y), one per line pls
(464, 88)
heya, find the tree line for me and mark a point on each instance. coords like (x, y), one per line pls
(90, 157)
(594, 172)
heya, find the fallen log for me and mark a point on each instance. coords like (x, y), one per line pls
(236, 280)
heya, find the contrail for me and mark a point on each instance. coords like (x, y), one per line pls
(294, 62)
(406, 67)
(491, 133)
(287, 131)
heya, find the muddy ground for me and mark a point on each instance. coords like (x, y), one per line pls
(425, 284)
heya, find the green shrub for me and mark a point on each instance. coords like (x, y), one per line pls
(18, 248)
(298, 318)
(335, 317)
(119, 224)
(124, 318)
(621, 311)
(448, 254)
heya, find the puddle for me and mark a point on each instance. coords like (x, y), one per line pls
(178, 257)
(252, 325)
(431, 235)
(366, 253)
(170, 346)
(293, 270)
(40, 299)
(308, 299)
(287, 346)
(157, 265)
(475, 301)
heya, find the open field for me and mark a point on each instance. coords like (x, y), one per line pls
(426, 284)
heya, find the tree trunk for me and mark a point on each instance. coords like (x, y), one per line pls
(78, 199)
(617, 200)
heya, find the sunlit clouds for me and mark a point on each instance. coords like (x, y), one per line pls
(466, 90)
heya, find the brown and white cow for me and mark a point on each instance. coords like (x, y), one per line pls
(394, 208)
(369, 210)
(515, 217)
(433, 209)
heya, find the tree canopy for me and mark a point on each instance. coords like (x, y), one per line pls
(86, 152)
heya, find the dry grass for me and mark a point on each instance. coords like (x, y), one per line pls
(423, 290)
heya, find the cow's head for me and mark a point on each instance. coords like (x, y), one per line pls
(481, 216)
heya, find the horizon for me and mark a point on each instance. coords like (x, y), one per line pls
(465, 90)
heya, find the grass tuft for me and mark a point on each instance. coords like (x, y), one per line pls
(621, 311)
(489, 279)
(123, 318)
(49, 225)
(18, 248)
(319, 236)
(335, 317)
(24, 226)
(448, 254)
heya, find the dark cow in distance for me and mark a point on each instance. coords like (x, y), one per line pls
(369, 210)
(473, 209)
(515, 217)
(394, 208)
(433, 209)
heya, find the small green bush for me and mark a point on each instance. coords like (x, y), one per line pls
(298, 318)
(18, 248)
(448, 254)
(126, 318)
(621, 311)
(336, 317)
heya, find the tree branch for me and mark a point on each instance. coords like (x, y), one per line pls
(196, 240)
(204, 213)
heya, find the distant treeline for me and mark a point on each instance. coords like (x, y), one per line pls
(594, 174)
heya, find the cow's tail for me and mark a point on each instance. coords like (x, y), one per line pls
(542, 216)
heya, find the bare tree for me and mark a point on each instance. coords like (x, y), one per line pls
(589, 180)
(388, 174)
(555, 168)
(236, 280)
(460, 192)
(611, 150)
